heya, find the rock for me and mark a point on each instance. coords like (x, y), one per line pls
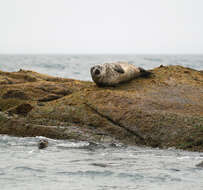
(40, 104)
(30, 78)
(63, 92)
(50, 97)
(164, 110)
(22, 109)
(200, 164)
(15, 94)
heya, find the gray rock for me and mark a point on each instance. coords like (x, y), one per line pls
(200, 164)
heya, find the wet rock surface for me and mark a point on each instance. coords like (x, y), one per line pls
(200, 164)
(165, 110)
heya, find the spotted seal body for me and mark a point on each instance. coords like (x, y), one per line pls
(111, 74)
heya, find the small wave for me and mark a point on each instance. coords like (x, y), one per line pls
(50, 66)
(175, 170)
(73, 145)
(76, 73)
(89, 173)
(25, 168)
(100, 165)
(164, 178)
(134, 176)
(2, 173)
(153, 59)
(81, 145)
(17, 141)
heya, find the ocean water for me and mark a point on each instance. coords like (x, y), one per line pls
(78, 66)
(83, 165)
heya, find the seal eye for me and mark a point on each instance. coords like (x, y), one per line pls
(97, 72)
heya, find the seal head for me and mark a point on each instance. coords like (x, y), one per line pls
(43, 143)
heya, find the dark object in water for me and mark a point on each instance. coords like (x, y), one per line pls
(99, 165)
(200, 164)
(43, 143)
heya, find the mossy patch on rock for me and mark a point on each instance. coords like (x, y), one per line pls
(6, 104)
(22, 109)
(15, 94)
(3, 118)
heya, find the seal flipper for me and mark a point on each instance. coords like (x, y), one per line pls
(118, 69)
(144, 73)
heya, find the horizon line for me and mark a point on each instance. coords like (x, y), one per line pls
(101, 53)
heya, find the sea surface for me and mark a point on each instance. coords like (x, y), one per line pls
(78, 66)
(82, 165)
(85, 165)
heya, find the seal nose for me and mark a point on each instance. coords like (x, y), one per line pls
(97, 72)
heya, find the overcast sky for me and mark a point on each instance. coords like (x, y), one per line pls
(101, 26)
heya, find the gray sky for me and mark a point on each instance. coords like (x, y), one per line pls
(101, 26)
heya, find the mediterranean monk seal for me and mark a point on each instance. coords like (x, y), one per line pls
(111, 74)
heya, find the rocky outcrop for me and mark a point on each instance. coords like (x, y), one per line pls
(165, 110)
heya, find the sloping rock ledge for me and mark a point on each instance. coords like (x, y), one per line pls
(165, 110)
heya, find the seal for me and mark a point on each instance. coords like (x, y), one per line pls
(111, 74)
(43, 143)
